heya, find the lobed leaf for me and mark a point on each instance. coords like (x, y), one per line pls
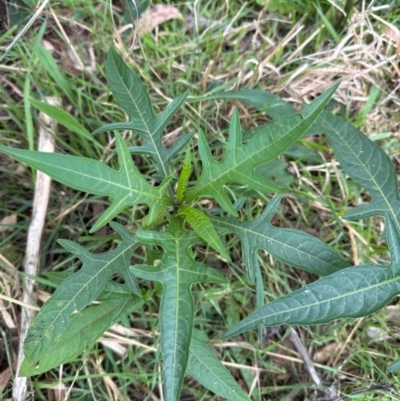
(293, 247)
(366, 163)
(177, 273)
(85, 329)
(353, 292)
(240, 160)
(53, 324)
(127, 186)
(132, 96)
(275, 108)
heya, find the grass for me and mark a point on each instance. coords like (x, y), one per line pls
(219, 45)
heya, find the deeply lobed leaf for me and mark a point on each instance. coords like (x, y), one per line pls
(367, 164)
(353, 292)
(177, 272)
(357, 291)
(57, 319)
(293, 247)
(271, 104)
(127, 186)
(240, 160)
(132, 96)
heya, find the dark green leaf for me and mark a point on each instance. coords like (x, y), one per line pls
(127, 186)
(136, 8)
(369, 165)
(239, 161)
(53, 324)
(177, 272)
(209, 371)
(132, 96)
(394, 366)
(293, 247)
(270, 104)
(353, 292)
(276, 171)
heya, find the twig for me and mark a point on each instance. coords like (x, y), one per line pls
(40, 202)
(294, 337)
(329, 393)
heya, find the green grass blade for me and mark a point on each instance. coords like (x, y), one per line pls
(366, 109)
(53, 70)
(329, 27)
(28, 114)
(63, 118)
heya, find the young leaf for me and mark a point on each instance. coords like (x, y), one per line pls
(353, 292)
(177, 272)
(203, 227)
(293, 247)
(208, 370)
(132, 96)
(127, 186)
(183, 178)
(58, 314)
(369, 165)
(240, 160)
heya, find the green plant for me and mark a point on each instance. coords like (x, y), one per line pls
(87, 302)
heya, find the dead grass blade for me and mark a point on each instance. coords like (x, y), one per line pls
(40, 202)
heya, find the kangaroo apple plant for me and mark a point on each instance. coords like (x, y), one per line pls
(88, 302)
